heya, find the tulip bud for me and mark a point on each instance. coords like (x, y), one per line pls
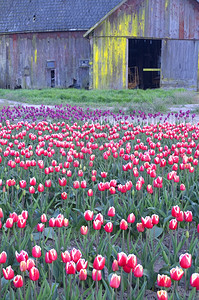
(83, 274)
(84, 230)
(138, 271)
(123, 224)
(23, 266)
(111, 211)
(115, 281)
(3, 257)
(115, 266)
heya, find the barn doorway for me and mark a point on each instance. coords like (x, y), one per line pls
(144, 63)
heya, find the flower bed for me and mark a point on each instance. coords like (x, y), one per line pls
(97, 210)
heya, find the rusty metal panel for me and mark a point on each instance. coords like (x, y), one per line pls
(179, 64)
(23, 59)
(174, 19)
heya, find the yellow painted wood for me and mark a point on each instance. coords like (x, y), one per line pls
(151, 70)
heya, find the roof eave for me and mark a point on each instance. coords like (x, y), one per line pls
(104, 18)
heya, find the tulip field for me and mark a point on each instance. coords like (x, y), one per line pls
(98, 205)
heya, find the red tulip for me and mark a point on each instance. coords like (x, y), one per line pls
(31, 190)
(70, 267)
(88, 215)
(123, 224)
(111, 211)
(176, 273)
(180, 217)
(40, 188)
(96, 275)
(52, 222)
(1, 213)
(131, 218)
(188, 216)
(64, 196)
(34, 274)
(14, 216)
(40, 227)
(43, 218)
(36, 251)
(47, 258)
(75, 254)
(115, 281)
(162, 295)
(81, 264)
(22, 256)
(33, 181)
(194, 280)
(147, 222)
(30, 264)
(76, 184)
(83, 274)
(138, 271)
(22, 184)
(115, 266)
(185, 260)
(131, 261)
(97, 224)
(99, 262)
(182, 187)
(173, 224)
(8, 273)
(83, 184)
(65, 256)
(100, 218)
(3, 257)
(164, 281)
(121, 259)
(18, 281)
(9, 223)
(155, 219)
(175, 211)
(23, 266)
(140, 227)
(108, 227)
(90, 192)
(84, 230)
(103, 174)
(52, 254)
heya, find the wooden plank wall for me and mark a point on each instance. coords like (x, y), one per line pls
(23, 59)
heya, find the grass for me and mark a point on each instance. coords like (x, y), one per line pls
(152, 100)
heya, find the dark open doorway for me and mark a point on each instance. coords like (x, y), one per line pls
(144, 63)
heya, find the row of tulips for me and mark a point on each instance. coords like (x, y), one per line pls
(79, 184)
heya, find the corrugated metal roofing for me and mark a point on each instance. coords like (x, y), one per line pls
(52, 15)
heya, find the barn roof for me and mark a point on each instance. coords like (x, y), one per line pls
(52, 15)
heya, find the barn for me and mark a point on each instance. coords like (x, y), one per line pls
(146, 44)
(99, 44)
(42, 43)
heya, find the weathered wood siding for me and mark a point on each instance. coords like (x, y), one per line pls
(179, 64)
(154, 19)
(23, 59)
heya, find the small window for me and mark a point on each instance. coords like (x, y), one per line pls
(50, 64)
